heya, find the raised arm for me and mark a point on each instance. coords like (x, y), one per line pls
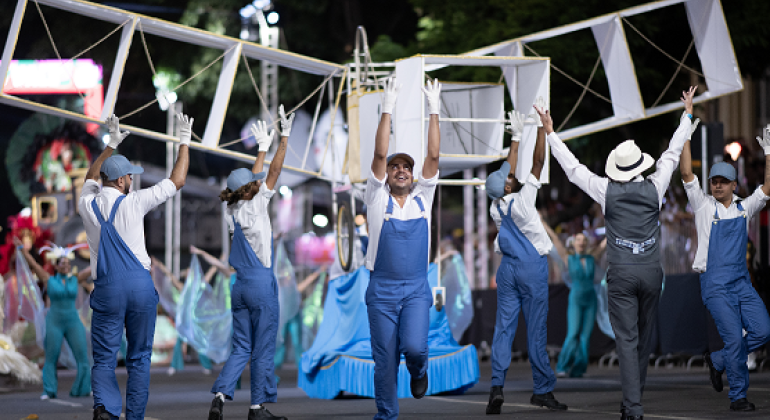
(557, 243)
(179, 173)
(213, 261)
(765, 143)
(666, 165)
(83, 276)
(382, 138)
(593, 185)
(39, 271)
(433, 94)
(307, 281)
(116, 137)
(599, 250)
(264, 139)
(277, 164)
(174, 281)
(538, 156)
(517, 127)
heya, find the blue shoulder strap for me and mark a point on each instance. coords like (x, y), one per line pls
(419, 203)
(97, 212)
(115, 208)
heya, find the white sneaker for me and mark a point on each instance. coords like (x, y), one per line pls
(207, 371)
(561, 374)
(171, 371)
(45, 397)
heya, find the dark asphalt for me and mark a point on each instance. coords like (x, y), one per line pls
(671, 393)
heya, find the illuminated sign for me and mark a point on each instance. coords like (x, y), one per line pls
(64, 77)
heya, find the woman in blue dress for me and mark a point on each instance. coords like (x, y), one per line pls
(581, 311)
(62, 320)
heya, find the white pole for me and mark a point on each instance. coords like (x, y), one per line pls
(704, 144)
(482, 264)
(468, 237)
(177, 202)
(169, 203)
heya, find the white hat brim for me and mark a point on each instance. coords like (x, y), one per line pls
(615, 174)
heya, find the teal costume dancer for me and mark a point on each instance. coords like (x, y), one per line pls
(581, 313)
(62, 322)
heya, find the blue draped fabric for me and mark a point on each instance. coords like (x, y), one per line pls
(341, 356)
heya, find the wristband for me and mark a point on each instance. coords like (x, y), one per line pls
(689, 116)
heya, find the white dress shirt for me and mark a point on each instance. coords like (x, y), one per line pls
(254, 218)
(704, 207)
(129, 219)
(376, 200)
(596, 186)
(524, 215)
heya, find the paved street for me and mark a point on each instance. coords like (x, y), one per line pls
(671, 393)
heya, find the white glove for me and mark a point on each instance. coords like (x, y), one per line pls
(693, 128)
(432, 94)
(765, 142)
(264, 139)
(517, 125)
(285, 122)
(185, 128)
(116, 136)
(540, 103)
(389, 95)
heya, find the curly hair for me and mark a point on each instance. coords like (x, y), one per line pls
(232, 197)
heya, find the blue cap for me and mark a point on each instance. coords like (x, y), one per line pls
(495, 184)
(117, 166)
(724, 170)
(241, 177)
(404, 156)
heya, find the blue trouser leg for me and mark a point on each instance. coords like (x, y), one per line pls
(413, 326)
(264, 324)
(533, 286)
(75, 334)
(241, 352)
(734, 311)
(177, 358)
(54, 334)
(383, 324)
(141, 313)
(506, 321)
(109, 309)
(255, 324)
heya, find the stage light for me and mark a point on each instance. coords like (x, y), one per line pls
(285, 191)
(734, 150)
(272, 18)
(320, 220)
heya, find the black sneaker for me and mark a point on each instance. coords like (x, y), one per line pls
(741, 405)
(716, 376)
(101, 414)
(547, 400)
(263, 414)
(216, 412)
(495, 400)
(419, 386)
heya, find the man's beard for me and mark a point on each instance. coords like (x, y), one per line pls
(126, 187)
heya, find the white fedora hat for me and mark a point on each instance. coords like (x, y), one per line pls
(627, 161)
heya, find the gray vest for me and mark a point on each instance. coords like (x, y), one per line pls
(631, 216)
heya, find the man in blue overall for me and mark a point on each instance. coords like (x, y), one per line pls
(721, 220)
(522, 278)
(254, 295)
(124, 294)
(631, 207)
(398, 297)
